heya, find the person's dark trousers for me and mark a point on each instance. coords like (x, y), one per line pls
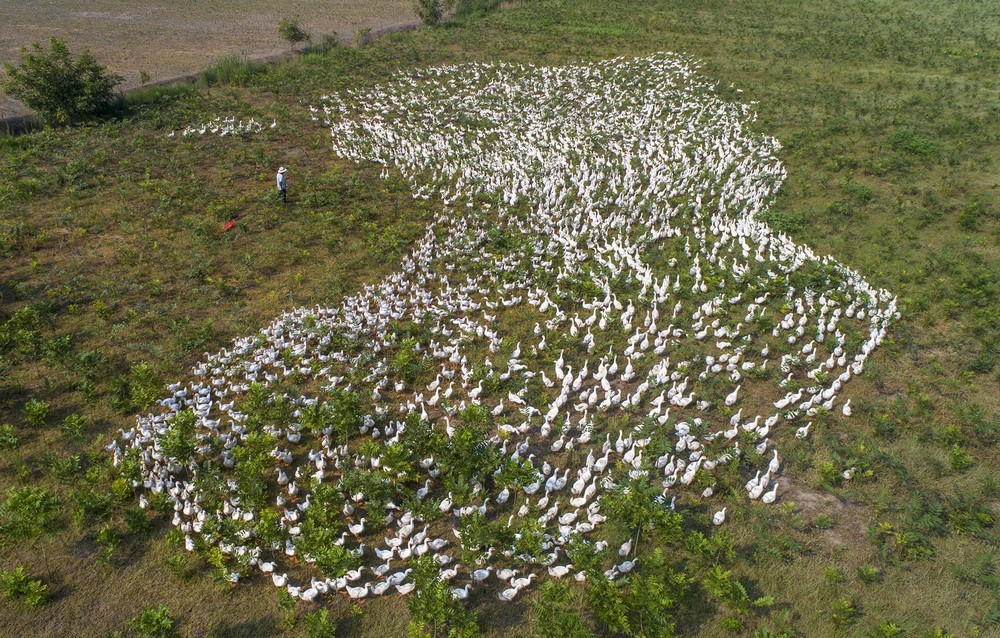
(282, 194)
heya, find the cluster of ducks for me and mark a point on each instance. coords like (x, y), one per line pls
(223, 126)
(599, 256)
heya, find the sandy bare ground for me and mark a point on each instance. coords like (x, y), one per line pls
(168, 38)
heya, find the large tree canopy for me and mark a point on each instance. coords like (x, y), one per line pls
(61, 90)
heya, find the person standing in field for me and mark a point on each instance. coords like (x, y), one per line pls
(282, 185)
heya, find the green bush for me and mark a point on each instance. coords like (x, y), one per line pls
(433, 611)
(319, 624)
(959, 459)
(287, 604)
(843, 612)
(886, 629)
(179, 442)
(869, 574)
(555, 615)
(17, 585)
(35, 412)
(73, 426)
(833, 575)
(27, 514)
(8, 437)
(291, 31)
(108, 538)
(430, 12)
(136, 390)
(61, 90)
(155, 622)
(829, 476)
(721, 584)
(136, 519)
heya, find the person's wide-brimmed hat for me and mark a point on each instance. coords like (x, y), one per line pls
(282, 169)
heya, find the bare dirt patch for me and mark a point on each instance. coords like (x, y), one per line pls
(179, 37)
(849, 517)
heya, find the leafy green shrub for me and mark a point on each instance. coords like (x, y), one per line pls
(136, 390)
(61, 90)
(886, 629)
(92, 505)
(971, 215)
(73, 426)
(330, 42)
(859, 190)
(733, 624)
(18, 585)
(723, 585)
(986, 359)
(35, 412)
(136, 519)
(430, 12)
(843, 612)
(67, 468)
(910, 141)
(896, 544)
(179, 443)
(319, 624)
(179, 566)
(833, 575)
(642, 604)
(959, 459)
(22, 333)
(411, 365)
(287, 604)
(992, 616)
(107, 539)
(433, 612)
(315, 417)
(828, 474)
(555, 616)
(154, 622)
(291, 31)
(27, 514)
(869, 574)
(8, 437)
(764, 602)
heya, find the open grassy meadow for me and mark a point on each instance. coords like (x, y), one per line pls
(117, 277)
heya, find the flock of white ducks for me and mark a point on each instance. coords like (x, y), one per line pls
(598, 259)
(223, 126)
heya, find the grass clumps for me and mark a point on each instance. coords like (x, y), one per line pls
(233, 70)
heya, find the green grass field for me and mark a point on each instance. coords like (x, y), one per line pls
(117, 276)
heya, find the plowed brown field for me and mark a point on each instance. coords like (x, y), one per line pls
(165, 39)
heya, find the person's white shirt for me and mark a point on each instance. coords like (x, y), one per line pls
(281, 180)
